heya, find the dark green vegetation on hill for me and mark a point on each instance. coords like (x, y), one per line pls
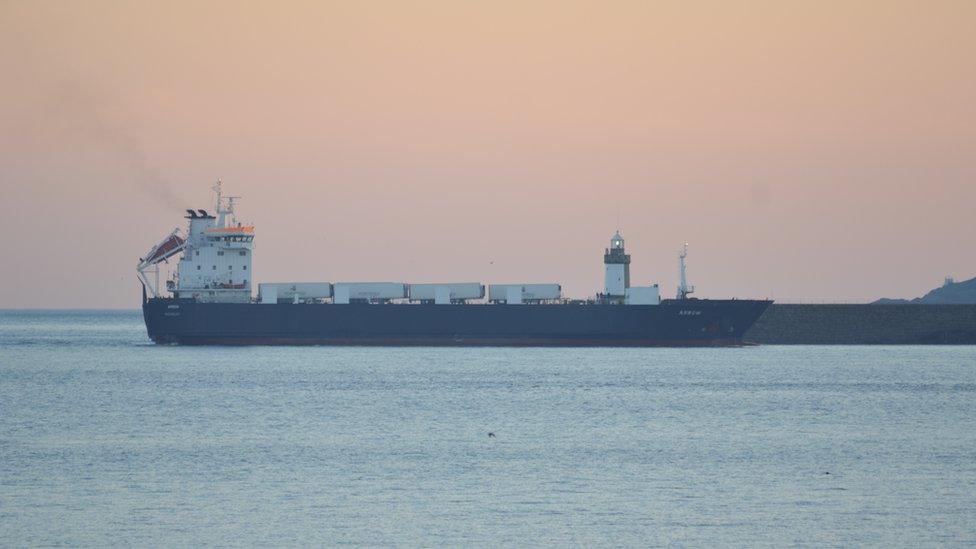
(957, 293)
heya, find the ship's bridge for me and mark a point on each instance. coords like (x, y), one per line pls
(230, 236)
(231, 231)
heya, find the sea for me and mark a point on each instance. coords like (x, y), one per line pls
(109, 440)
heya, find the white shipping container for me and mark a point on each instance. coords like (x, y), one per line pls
(513, 295)
(270, 292)
(529, 292)
(457, 290)
(268, 295)
(642, 295)
(345, 291)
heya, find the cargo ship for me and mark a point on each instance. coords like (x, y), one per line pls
(210, 302)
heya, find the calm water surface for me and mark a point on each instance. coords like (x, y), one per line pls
(106, 439)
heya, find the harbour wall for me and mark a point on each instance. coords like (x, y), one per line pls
(864, 324)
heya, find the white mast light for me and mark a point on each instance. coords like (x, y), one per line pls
(684, 290)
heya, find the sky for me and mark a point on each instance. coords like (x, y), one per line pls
(807, 151)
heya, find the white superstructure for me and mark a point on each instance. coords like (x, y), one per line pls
(216, 262)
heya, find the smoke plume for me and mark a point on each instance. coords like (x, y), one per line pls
(97, 121)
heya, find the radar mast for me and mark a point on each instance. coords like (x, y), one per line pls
(684, 290)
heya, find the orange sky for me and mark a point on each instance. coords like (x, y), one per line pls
(806, 150)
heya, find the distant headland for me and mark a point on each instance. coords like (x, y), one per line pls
(950, 293)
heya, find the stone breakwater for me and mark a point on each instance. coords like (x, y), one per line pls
(865, 324)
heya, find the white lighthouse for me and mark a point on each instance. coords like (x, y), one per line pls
(616, 265)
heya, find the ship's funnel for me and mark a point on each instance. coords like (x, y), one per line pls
(193, 214)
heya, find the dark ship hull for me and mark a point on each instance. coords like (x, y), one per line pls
(676, 323)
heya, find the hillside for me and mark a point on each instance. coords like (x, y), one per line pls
(951, 293)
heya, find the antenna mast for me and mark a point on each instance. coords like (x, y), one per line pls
(224, 207)
(684, 290)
